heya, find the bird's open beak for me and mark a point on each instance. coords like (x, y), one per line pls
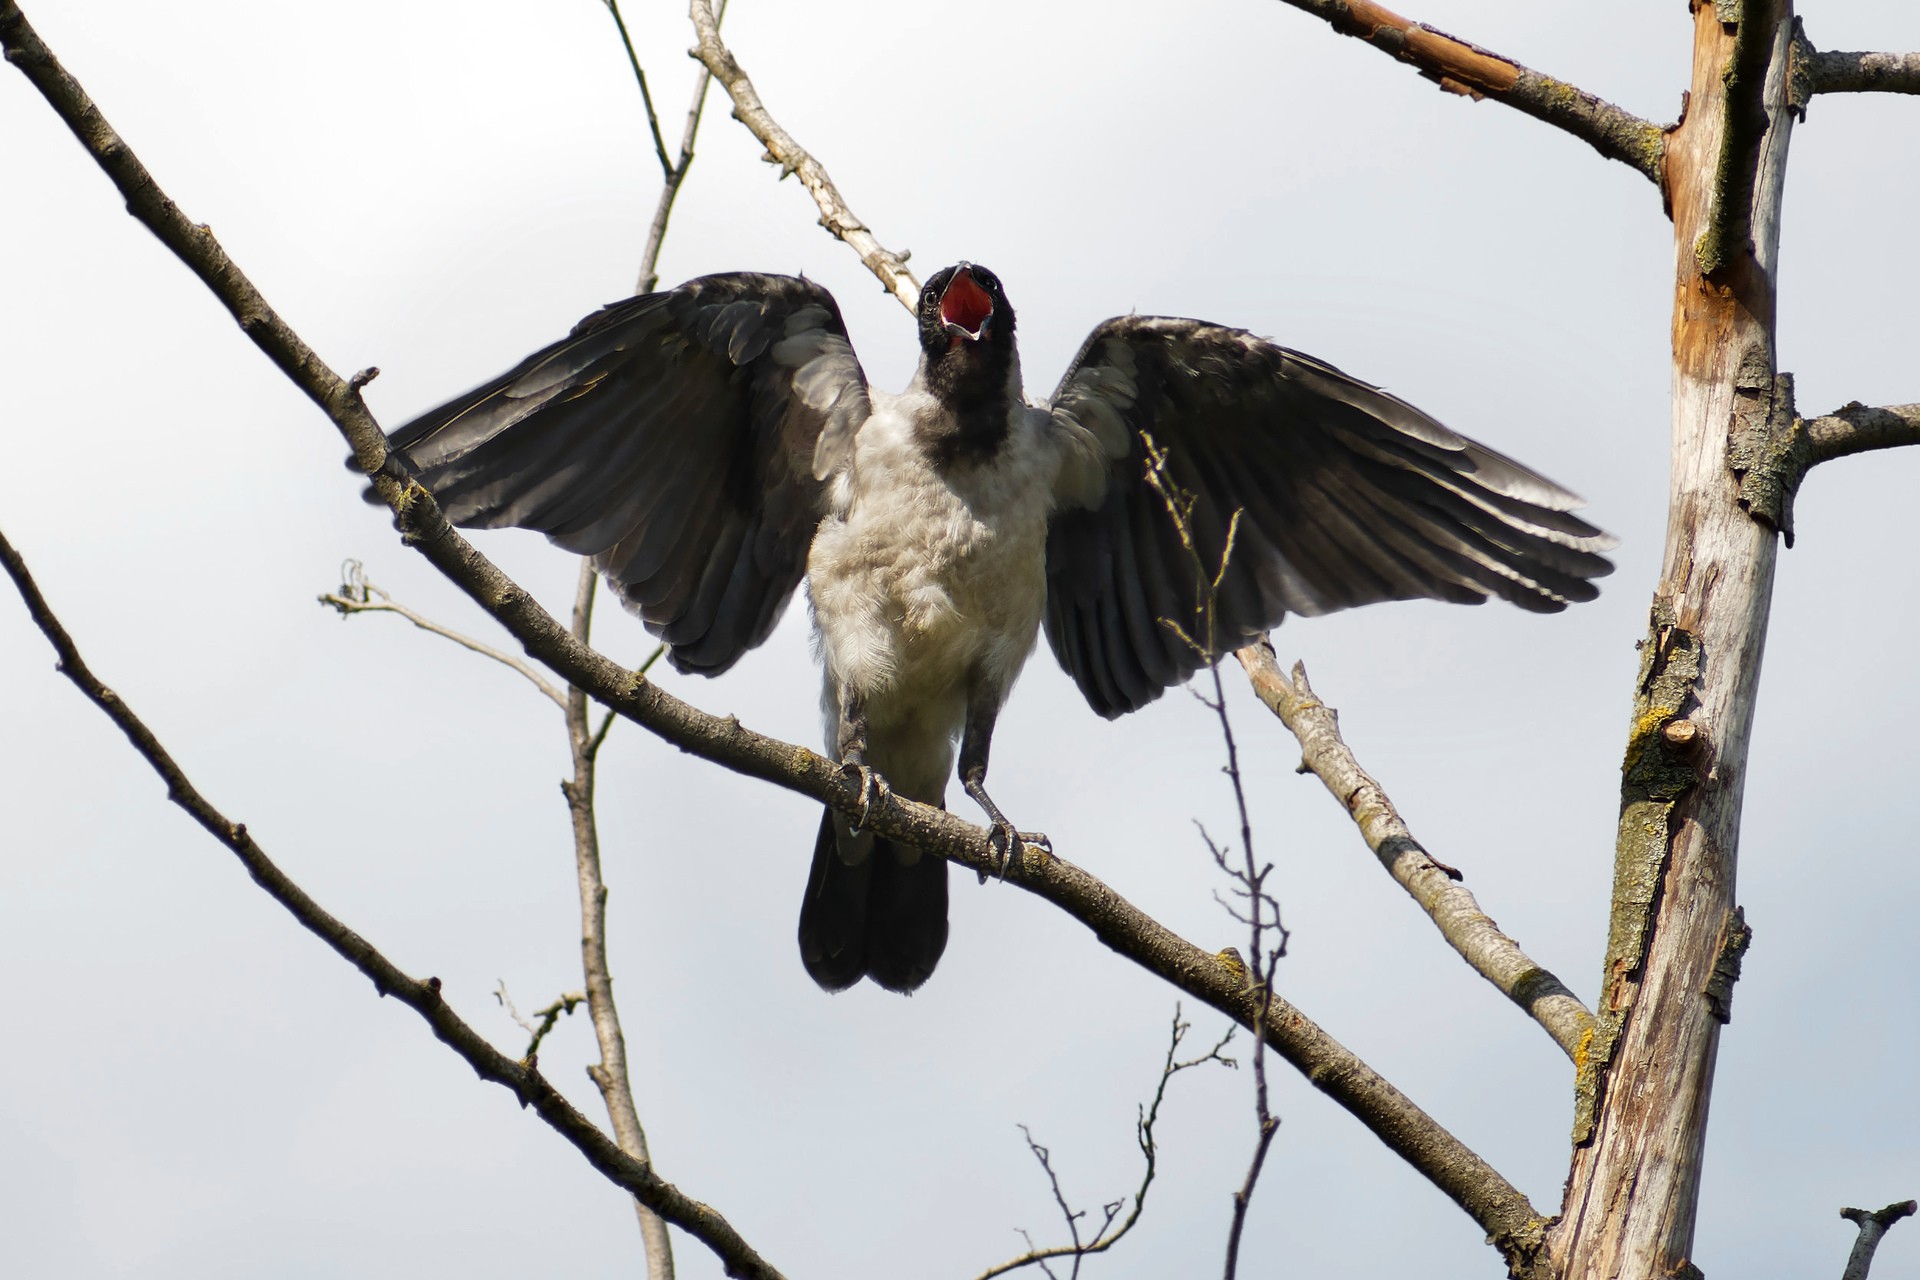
(965, 308)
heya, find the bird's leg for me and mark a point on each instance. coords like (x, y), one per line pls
(1002, 838)
(853, 754)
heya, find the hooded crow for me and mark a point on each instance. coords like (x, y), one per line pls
(711, 445)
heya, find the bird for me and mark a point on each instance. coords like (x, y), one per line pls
(1186, 486)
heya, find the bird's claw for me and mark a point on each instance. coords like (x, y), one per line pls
(873, 788)
(1003, 845)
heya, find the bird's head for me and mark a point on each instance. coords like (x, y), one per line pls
(964, 311)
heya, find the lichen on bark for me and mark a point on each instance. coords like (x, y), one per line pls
(1654, 777)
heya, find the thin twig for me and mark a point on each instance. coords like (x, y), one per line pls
(1436, 887)
(1109, 1235)
(357, 594)
(1467, 69)
(1511, 1223)
(423, 997)
(549, 1017)
(673, 173)
(889, 267)
(1268, 1125)
(1872, 1226)
(1250, 876)
(609, 1075)
(667, 168)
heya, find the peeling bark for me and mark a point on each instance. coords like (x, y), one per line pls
(1633, 1190)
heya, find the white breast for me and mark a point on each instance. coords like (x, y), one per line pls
(923, 583)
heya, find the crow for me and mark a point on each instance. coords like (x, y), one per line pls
(1186, 487)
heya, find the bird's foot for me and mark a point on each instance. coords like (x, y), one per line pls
(873, 789)
(1004, 845)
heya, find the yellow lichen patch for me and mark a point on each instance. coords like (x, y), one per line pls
(1559, 92)
(1583, 1050)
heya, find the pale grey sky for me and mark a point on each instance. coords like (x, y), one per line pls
(194, 1087)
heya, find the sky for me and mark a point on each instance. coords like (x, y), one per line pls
(196, 1087)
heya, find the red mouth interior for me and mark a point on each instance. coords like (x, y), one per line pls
(965, 303)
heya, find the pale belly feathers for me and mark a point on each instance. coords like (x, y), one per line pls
(925, 585)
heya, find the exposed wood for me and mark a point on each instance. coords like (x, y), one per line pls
(1472, 72)
(1633, 1191)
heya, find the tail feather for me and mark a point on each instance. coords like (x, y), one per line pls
(882, 915)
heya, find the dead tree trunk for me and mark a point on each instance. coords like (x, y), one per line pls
(1676, 935)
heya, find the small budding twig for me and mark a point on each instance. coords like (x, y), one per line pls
(1109, 1234)
(1262, 911)
(359, 594)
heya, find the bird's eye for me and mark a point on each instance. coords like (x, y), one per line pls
(928, 295)
(986, 278)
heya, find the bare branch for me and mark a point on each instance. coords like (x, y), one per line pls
(674, 174)
(356, 594)
(1872, 1226)
(523, 1079)
(1473, 72)
(835, 216)
(667, 167)
(1435, 886)
(1509, 1220)
(609, 1075)
(1268, 1125)
(1249, 877)
(1859, 72)
(1855, 428)
(1110, 1235)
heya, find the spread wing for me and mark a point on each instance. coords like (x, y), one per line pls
(673, 437)
(1346, 495)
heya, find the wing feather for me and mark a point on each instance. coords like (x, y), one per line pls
(1346, 495)
(682, 439)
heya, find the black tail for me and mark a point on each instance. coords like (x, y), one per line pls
(882, 917)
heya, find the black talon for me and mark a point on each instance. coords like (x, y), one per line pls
(872, 787)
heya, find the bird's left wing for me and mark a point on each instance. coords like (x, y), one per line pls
(682, 439)
(1345, 495)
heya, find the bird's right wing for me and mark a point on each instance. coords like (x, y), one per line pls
(681, 439)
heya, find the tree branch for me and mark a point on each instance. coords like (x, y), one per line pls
(358, 595)
(1872, 1226)
(1773, 448)
(673, 172)
(1473, 72)
(1510, 1222)
(1860, 72)
(1110, 1235)
(667, 167)
(1855, 428)
(1436, 887)
(609, 1075)
(835, 216)
(523, 1079)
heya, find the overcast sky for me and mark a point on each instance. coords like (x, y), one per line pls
(195, 1087)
